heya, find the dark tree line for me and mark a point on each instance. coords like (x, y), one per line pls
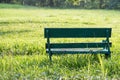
(111, 4)
(5, 1)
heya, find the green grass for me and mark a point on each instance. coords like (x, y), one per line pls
(22, 51)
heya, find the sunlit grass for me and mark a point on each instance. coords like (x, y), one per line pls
(22, 44)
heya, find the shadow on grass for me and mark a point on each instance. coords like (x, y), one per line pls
(46, 22)
(15, 6)
(22, 22)
(13, 32)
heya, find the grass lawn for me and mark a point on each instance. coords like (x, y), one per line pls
(22, 44)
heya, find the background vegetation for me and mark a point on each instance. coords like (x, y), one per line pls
(89, 4)
(22, 44)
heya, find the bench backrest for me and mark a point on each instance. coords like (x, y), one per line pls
(77, 32)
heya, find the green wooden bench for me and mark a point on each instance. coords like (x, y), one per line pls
(102, 47)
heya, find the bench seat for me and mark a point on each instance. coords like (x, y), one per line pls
(77, 50)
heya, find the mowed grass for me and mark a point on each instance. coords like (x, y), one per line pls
(22, 44)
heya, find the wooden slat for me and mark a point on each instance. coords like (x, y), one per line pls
(77, 32)
(78, 45)
(79, 51)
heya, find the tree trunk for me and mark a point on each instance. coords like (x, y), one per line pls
(0, 1)
(51, 3)
(8, 1)
(82, 4)
(101, 3)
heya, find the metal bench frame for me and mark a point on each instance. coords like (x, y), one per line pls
(72, 48)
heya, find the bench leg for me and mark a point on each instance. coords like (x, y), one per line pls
(107, 56)
(50, 57)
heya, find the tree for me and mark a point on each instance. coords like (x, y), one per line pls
(101, 3)
(51, 3)
(113, 4)
(82, 3)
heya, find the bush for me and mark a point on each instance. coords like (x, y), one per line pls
(111, 4)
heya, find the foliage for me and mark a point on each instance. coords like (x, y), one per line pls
(111, 4)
